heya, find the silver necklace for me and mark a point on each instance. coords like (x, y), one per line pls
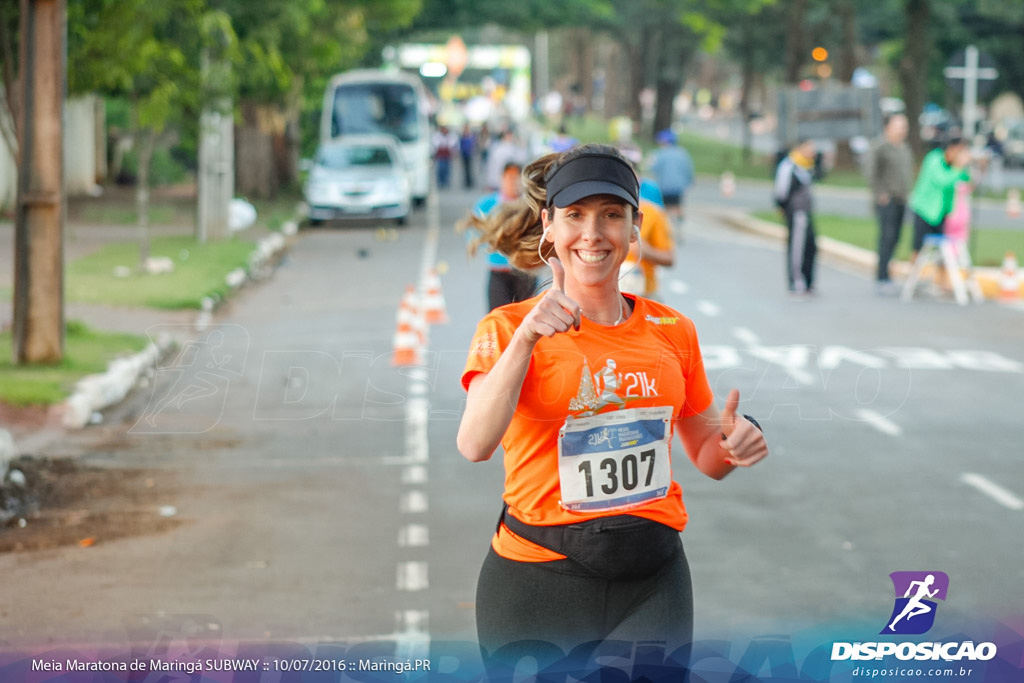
(622, 313)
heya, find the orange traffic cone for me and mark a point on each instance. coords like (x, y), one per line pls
(433, 301)
(1009, 279)
(409, 336)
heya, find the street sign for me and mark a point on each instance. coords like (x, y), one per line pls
(829, 113)
(971, 73)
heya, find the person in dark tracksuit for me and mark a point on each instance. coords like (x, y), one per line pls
(792, 194)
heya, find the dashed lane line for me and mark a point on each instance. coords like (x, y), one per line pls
(1003, 496)
(709, 308)
(414, 536)
(879, 422)
(412, 576)
(413, 502)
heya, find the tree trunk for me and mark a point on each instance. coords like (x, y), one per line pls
(146, 139)
(748, 69)
(586, 73)
(637, 52)
(847, 65)
(913, 68)
(795, 44)
(12, 86)
(37, 332)
(674, 49)
(266, 144)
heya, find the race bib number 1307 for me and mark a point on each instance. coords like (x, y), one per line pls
(615, 460)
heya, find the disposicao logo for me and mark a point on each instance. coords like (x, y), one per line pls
(913, 614)
(916, 593)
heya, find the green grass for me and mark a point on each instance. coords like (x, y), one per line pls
(86, 352)
(987, 246)
(713, 157)
(199, 271)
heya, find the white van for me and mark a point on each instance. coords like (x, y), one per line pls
(371, 101)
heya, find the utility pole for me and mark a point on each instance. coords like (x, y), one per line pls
(38, 326)
(216, 152)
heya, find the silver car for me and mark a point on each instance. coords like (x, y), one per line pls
(358, 177)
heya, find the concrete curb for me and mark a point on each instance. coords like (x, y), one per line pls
(8, 452)
(990, 279)
(96, 392)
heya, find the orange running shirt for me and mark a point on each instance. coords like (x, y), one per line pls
(651, 360)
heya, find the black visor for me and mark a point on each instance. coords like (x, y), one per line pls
(592, 174)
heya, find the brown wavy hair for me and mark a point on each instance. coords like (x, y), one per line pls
(515, 229)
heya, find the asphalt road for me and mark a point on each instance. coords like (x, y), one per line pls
(323, 501)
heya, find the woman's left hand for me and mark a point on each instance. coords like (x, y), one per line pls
(744, 443)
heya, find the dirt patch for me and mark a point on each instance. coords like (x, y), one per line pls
(25, 418)
(54, 502)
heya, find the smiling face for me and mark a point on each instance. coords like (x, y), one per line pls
(591, 238)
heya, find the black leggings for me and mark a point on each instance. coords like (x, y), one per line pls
(541, 609)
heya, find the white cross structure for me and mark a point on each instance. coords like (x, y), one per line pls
(971, 72)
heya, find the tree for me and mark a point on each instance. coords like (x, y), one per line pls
(288, 50)
(38, 325)
(796, 44)
(148, 52)
(914, 63)
(9, 18)
(757, 40)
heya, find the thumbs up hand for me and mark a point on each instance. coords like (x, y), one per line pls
(555, 312)
(743, 443)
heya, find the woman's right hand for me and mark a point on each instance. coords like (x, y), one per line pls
(554, 313)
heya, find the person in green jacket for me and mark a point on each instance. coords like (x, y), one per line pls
(932, 197)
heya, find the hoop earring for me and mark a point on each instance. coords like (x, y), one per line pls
(540, 245)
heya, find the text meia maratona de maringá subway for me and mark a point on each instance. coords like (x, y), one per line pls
(159, 665)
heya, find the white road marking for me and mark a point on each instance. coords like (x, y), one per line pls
(708, 308)
(412, 576)
(992, 490)
(417, 414)
(414, 536)
(678, 287)
(418, 374)
(793, 359)
(413, 502)
(411, 635)
(746, 335)
(879, 422)
(415, 474)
